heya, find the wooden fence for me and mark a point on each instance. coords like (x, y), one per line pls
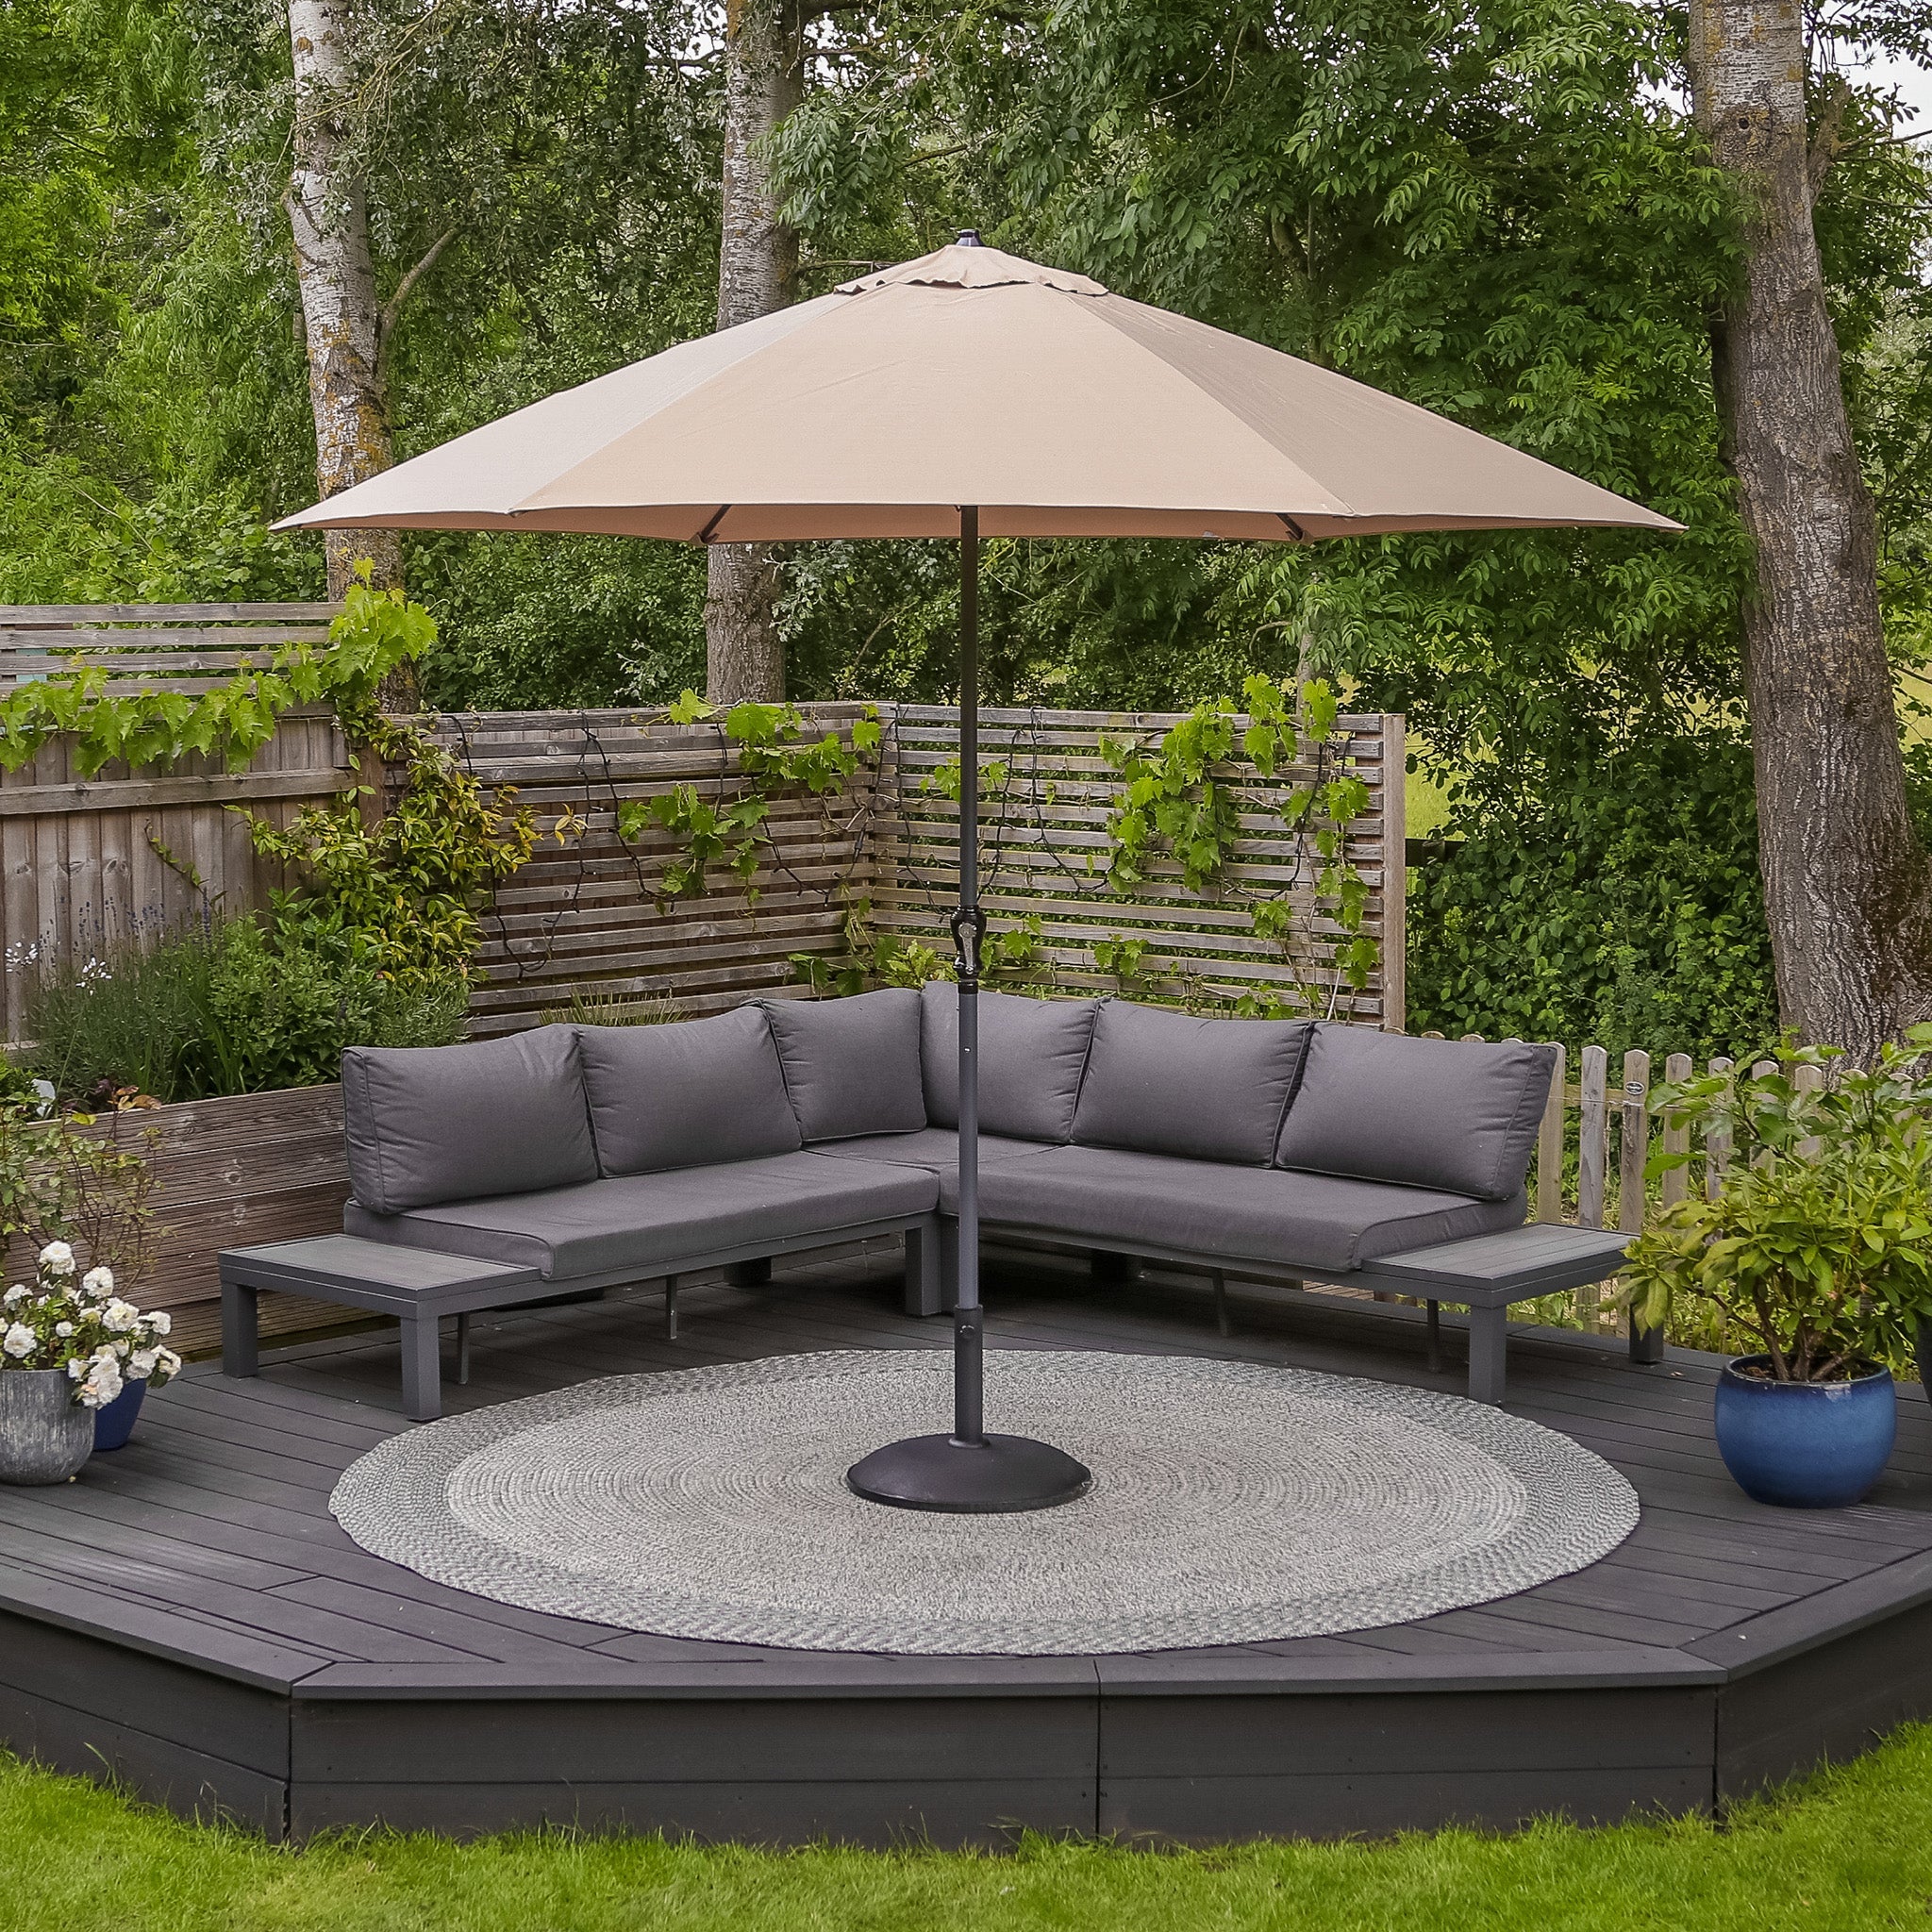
(584, 916)
(89, 867)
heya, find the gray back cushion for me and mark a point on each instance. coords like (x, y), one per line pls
(1031, 1056)
(1456, 1115)
(433, 1124)
(686, 1094)
(851, 1065)
(1163, 1082)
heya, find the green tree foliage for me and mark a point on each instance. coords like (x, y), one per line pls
(151, 360)
(1494, 210)
(1490, 206)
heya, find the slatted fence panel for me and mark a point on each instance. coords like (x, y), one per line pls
(1044, 845)
(185, 648)
(586, 915)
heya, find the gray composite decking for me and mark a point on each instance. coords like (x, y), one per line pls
(188, 1615)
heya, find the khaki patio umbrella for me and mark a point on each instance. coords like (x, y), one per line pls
(971, 394)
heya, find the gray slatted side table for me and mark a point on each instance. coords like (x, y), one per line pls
(1488, 1272)
(418, 1287)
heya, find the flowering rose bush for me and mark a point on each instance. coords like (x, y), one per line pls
(83, 1326)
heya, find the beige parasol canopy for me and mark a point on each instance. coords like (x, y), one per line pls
(971, 376)
(971, 394)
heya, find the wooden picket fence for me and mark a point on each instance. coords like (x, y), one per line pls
(1609, 1130)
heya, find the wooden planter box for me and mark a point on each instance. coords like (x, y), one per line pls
(255, 1167)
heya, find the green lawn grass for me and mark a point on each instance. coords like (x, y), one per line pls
(1853, 1848)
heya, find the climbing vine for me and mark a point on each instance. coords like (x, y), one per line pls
(731, 831)
(375, 632)
(1181, 801)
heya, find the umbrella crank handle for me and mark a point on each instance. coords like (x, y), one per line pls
(968, 937)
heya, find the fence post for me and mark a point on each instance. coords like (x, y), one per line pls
(1592, 1134)
(1717, 1146)
(1676, 1135)
(1646, 1344)
(1807, 1079)
(1549, 1144)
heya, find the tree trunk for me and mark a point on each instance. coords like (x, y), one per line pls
(758, 269)
(328, 216)
(1847, 886)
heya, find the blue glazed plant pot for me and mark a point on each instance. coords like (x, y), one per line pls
(115, 1420)
(1805, 1445)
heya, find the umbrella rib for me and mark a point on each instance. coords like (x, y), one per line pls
(1293, 529)
(718, 516)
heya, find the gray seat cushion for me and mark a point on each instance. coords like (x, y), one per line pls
(851, 1065)
(433, 1124)
(1319, 1222)
(648, 1221)
(1031, 1056)
(1163, 1082)
(937, 1150)
(1460, 1115)
(686, 1094)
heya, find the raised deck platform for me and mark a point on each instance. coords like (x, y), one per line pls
(188, 1616)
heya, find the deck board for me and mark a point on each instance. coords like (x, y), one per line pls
(210, 1536)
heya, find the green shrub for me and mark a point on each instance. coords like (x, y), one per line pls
(226, 1010)
(1816, 1241)
(1613, 899)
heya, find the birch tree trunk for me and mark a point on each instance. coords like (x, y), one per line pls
(328, 214)
(757, 268)
(1847, 886)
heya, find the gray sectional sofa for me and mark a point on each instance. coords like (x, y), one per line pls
(583, 1157)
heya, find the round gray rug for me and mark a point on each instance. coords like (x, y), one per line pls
(1230, 1503)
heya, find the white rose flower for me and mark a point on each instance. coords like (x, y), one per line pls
(160, 1324)
(57, 1258)
(18, 1342)
(14, 1295)
(98, 1282)
(122, 1347)
(64, 1330)
(117, 1316)
(141, 1364)
(167, 1364)
(78, 1367)
(101, 1387)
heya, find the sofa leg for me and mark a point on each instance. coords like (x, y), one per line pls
(422, 1367)
(1113, 1268)
(240, 1343)
(749, 1273)
(1435, 1338)
(670, 1308)
(1219, 1277)
(1489, 1342)
(949, 1262)
(1646, 1345)
(925, 1290)
(463, 1350)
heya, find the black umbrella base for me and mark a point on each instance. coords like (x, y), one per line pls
(998, 1474)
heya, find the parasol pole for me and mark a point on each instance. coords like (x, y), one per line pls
(969, 1471)
(969, 931)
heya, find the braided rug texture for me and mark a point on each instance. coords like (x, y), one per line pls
(1231, 1503)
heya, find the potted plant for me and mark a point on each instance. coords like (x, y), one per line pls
(1814, 1238)
(69, 1347)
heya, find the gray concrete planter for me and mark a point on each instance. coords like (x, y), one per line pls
(44, 1434)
